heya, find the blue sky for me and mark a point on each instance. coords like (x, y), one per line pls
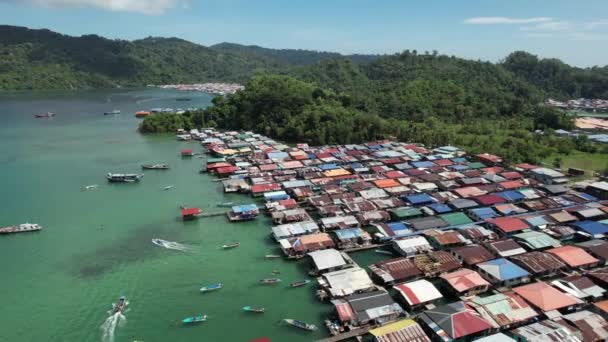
(479, 29)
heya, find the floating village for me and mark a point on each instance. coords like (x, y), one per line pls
(472, 249)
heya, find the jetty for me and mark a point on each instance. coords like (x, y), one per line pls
(347, 335)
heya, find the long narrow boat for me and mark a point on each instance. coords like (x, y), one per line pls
(300, 324)
(21, 228)
(212, 287)
(272, 256)
(194, 319)
(299, 283)
(112, 112)
(46, 115)
(120, 305)
(253, 309)
(270, 281)
(158, 166)
(231, 245)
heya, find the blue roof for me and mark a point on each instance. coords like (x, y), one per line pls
(440, 208)
(402, 166)
(536, 221)
(276, 196)
(586, 196)
(356, 165)
(510, 195)
(484, 213)
(591, 227)
(278, 155)
(459, 160)
(329, 166)
(375, 147)
(503, 269)
(395, 226)
(458, 167)
(426, 164)
(350, 233)
(238, 209)
(312, 156)
(418, 199)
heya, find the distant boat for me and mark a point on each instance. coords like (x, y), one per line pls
(253, 309)
(275, 272)
(383, 251)
(272, 256)
(194, 319)
(231, 245)
(212, 287)
(46, 115)
(168, 187)
(123, 178)
(120, 305)
(113, 112)
(141, 114)
(181, 99)
(299, 283)
(21, 228)
(270, 281)
(159, 166)
(300, 324)
(90, 187)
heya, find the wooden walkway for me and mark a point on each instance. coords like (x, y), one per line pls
(347, 335)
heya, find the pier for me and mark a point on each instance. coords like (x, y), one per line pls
(347, 335)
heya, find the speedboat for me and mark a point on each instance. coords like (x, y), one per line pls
(270, 281)
(253, 309)
(271, 256)
(212, 287)
(168, 187)
(123, 178)
(159, 166)
(21, 228)
(194, 319)
(231, 245)
(113, 112)
(300, 324)
(299, 283)
(46, 115)
(120, 305)
(91, 187)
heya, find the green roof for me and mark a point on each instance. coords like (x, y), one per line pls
(401, 213)
(537, 240)
(456, 219)
(476, 165)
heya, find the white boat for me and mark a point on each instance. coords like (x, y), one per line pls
(22, 228)
(168, 187)
(91, 187)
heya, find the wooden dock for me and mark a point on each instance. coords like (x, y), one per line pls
(212, 213)
(347, 335)
(363, 248)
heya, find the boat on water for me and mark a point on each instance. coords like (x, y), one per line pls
(158, 166)
(194, 319)
(270, 281)
(275, 272)
(383, 251)
(212, 287)
(272, 256)
(168, 187)
(231, 245)
(112, 112)
(141, 114)
(299, 283)
(253, 309)
(123, 177)
(300, 324)
(45, 115)
(183, 99)
(120, 305)
(21, 228)
(91, 187)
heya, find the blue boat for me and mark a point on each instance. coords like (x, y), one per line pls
(194, 319)
(210, 288)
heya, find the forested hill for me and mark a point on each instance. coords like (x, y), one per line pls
(403, 84)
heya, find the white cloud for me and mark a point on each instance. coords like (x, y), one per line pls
(150, 7)
(550, 26)
(505, 20)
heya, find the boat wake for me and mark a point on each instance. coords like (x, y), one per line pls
(176, 246)
(109, 326)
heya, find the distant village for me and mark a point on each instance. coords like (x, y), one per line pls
(212, 88)
(474, 249)
(592, 105)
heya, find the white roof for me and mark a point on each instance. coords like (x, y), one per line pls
(294, 229)
(348, 281)
(548, 172)
(424, 186)
(420, 291)
(600, 185)
(373, 193)
(412, 245)
(500, 337)
(327, 258)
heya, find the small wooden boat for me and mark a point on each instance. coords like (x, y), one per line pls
(168, 187)
(299, 283)
(270, 281)
(275, 272)
(253, 309)
(383, 251)
(271, 256)
(231, 245)
(46, 115)
(91, 187)
(212, 287)
(300, 324)
(158, 166)
(194, 319)
(120, 305)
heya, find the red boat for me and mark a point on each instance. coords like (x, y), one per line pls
(47, 115)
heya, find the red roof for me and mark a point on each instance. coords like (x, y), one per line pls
(189, 150)
(217, 165)
(514, 184)
(508, 224)
(489, 157)
(443, 162)
(226, 170)
(511, 175)
(525, 166)
(394, 174)
(323, 155)
(489, 199)
(190, 211)
(268, 167)
(265, 187)
(345, 312)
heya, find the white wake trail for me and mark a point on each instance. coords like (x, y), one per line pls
(109, 326)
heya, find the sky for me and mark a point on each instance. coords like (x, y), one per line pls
(575, 31)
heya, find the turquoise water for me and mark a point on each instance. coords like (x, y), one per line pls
(58, 284)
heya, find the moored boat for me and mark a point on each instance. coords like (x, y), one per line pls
(21, 228)
(120, 305)
(141, 114)
(123, 177)
(253, 309)
(270, 281)
(159, 166)
(112, 112)
(194, 319)
(231, 245)
(299, 283)
(300, 324)
(212, 287)
(46, 115)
